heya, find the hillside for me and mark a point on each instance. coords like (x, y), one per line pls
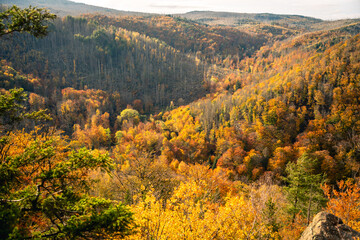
(79, 54)
(64, 8)
(275, 26)
(237, 19)
(211, 43)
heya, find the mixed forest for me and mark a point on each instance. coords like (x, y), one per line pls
(176, 127)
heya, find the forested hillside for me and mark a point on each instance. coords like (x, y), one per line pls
(63, 8)
(160, 127)
(212, 43)
(82, 54)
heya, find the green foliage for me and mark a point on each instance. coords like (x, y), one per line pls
(29, 20)
(304, 187)
(44, 186)
(269, 215)
(40, 187)
(115, 219)
(12, 109)
(11, 104)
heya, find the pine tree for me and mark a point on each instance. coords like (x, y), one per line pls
(304, 191)
(31, 20)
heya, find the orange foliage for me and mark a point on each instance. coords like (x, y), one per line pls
(282, 155)
(345, 202)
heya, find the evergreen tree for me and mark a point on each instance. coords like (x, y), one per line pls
(31, 20)
(304, 187)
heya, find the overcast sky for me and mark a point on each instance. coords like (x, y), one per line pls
(324, 9)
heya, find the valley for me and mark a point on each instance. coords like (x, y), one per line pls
(204, 125)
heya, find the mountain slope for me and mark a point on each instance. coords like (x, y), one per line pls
(236, 19)
(64, 7)
(266, 23)
(77, 53)
(189, 36)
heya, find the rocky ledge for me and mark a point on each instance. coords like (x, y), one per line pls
(326, 226)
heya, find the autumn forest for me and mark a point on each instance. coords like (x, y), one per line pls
(176, 127)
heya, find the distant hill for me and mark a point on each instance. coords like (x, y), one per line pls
(236, 19)
(64, 7)
(189, 36)
(279, 26)
(265, 22)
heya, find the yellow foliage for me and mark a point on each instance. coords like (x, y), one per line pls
(189, 214)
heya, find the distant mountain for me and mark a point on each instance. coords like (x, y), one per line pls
(236, 19)
(263, 23)
(259, 20)
(65, 7)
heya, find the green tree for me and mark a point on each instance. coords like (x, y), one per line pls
(31, 20)
(304, 191)
(269, 215)
(44, 193)
(13, 111)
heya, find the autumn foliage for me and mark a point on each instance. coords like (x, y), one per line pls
(271, 134)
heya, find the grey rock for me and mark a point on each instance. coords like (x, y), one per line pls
(326, 226)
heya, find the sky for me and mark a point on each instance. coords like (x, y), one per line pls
(323, 9)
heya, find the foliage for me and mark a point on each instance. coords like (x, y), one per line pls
(304, 191)
(81, 55)
(44, 184)
(190, 215)
(244, 161)
(215, 44)
(32, 20)
(129, 116)
(344, 202)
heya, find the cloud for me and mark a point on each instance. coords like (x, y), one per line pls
(173, 6)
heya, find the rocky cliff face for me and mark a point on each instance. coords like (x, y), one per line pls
(326, 226)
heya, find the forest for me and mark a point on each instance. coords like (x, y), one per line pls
(166, 127)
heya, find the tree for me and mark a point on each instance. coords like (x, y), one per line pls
(12, 109)
(304, 187)
(44, 183)
(31, 20)
(45, 194)
(130, 116)
(344, 201)
(269, 215)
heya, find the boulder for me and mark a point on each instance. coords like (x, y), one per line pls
(326, 226)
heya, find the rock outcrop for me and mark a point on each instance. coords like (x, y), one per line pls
(326, 226)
